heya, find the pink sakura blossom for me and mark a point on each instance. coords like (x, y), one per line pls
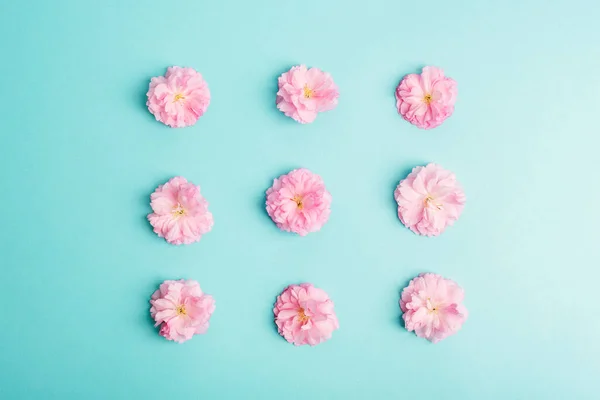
(181, 309)
(180, 214)
(305, 92)
(299, 202)
(179, 98)
(429, 200)
(426, 99)
(305, 315)
(432, 307)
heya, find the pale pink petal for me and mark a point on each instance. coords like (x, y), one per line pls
(429, 200)
(181, 213)
(305, 92)
(432, 307)
(426, 100)
(299, 202)
(305, 315)
(181, 309)
(179, 98)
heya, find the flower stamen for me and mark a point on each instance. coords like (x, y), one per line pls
(180, 310)
(308, 92)
(431, 307)
(302, 316)
(429, 201)
(178, 210)
(178, 97)
(298, 200)
(427, 98)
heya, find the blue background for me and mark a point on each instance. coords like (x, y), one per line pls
(80, 155)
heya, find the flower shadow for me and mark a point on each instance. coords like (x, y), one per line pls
(147, 319)
(141, 90)
(414, 69)
(400, 319)
(274, 328)
(262, 199)
(145, 203)
(270, 95)
(403, 172)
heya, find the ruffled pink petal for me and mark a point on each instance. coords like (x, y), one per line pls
(429, 200)
(179, 98)
(432, 307)
(167, 200)
(305, 315)
(186, 295)
(291, 98)
(411, 98)
(302, 186)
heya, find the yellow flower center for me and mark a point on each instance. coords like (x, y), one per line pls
(178, 97)
(301, 316)
(298, 200)
(178, 210)
(431, 307)
(180, 310)
(427, 99)
(308, 93)
(430, 201)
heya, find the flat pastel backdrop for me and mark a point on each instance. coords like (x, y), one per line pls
(80, 155)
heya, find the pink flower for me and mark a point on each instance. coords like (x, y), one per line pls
(299, 202)
(429, 200)
(305, 315)
(432, 307)
(181, 309)
(305, 92)
(179, 98)
(426, 100)
(180, 214)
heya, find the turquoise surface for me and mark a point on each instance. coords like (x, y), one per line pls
(80, 155)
